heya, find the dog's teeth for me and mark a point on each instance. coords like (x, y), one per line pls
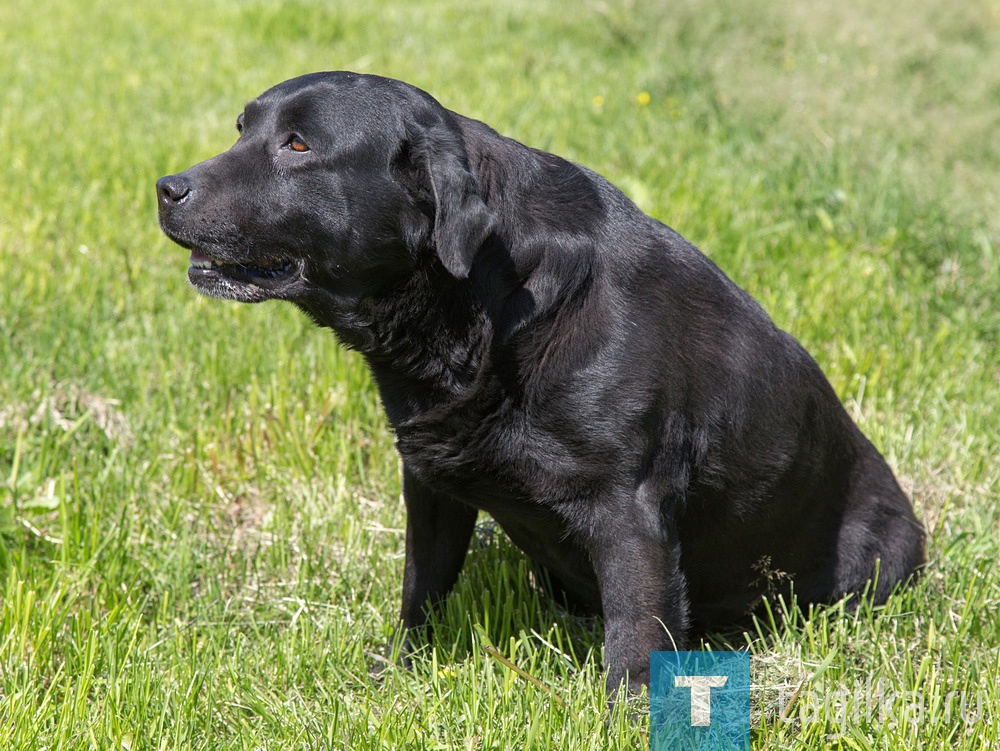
(205, 263)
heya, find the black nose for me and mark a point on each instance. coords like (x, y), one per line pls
(172, 189)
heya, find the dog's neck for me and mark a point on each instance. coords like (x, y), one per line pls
(426, 343)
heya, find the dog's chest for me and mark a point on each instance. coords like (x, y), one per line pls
(498, 462)
(481, 467)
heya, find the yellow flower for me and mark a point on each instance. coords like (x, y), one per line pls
(642, 98)
(598, 101)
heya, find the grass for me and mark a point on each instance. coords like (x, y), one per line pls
(200, 524)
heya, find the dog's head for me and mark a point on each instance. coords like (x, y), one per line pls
(339, 185)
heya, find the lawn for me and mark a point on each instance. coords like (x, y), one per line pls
(200, 514)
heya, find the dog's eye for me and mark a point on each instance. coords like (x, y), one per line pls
(295, 143)
(239, 124)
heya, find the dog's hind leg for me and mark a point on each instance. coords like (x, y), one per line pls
(881, 543)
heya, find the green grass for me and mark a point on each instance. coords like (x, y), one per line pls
(200, 523)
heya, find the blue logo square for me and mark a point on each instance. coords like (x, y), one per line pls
(699, 701)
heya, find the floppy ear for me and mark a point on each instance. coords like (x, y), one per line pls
(462, 221)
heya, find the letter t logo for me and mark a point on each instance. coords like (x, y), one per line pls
(684, 711)
(701, 695)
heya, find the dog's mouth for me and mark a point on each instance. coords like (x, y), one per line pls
(240, 280)
(267, 269)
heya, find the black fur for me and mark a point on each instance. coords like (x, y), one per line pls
(551, 355)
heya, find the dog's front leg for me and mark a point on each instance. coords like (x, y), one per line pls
(438, 531)
(643, 596)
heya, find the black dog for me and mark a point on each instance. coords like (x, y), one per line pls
(549, 354)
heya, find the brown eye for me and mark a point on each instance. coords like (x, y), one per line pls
(297, 144)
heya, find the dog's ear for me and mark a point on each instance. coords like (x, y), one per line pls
(435, 168)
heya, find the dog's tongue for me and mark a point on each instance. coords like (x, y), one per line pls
(198, 257)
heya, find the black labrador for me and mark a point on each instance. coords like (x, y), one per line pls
(551, 355)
